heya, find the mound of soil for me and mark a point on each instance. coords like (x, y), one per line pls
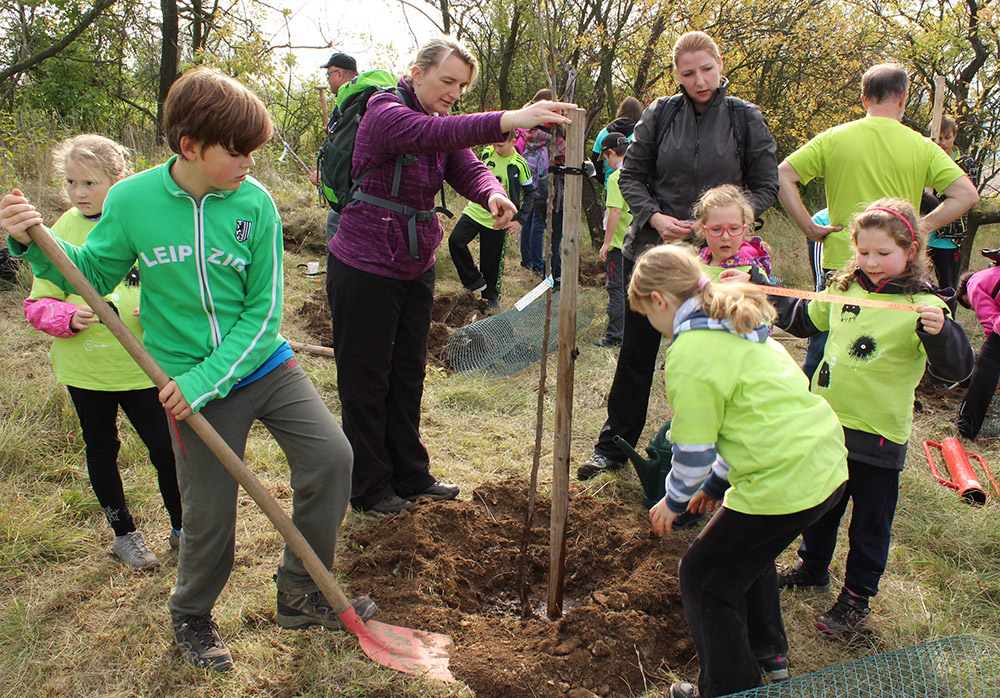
(451, 567)
(592, 273)
(933, 398)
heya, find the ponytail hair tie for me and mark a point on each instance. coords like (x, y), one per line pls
(900, 216)
(703, 281)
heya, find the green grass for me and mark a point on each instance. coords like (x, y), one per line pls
(73, 622)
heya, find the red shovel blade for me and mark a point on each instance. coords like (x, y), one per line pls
(403, 649)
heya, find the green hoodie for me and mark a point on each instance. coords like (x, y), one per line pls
(211, 270)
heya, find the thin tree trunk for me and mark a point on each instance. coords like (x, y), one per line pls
(168, 59)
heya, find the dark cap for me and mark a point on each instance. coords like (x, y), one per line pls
(342, 61)
(613, 140)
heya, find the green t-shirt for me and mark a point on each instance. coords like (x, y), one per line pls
(872, 362)
(500, 167)
(865, 160)
(92, 358)
(616, 200)
(784, 445)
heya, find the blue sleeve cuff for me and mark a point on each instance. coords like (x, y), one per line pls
(715, 486)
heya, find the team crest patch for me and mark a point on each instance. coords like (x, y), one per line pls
(243, 230)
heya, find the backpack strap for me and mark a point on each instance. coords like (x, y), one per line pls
(741, 128)
(670, 106)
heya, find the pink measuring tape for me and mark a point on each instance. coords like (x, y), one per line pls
(828, 298)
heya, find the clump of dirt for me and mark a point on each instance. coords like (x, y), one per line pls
(451, 310)
(592, 273)
(315, 313)
(451, 567)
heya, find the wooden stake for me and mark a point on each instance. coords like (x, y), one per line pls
(938, 112)
(322, 105)
(570, 252)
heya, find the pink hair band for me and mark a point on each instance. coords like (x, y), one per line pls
(898, 215)
(702, 281)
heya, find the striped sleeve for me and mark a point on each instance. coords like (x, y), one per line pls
(691, 464)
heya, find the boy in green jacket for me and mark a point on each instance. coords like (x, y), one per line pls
(207, 240)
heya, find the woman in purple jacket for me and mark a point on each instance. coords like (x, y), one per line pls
(380, 278)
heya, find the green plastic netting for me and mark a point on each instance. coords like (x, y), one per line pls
(505, 343)
(991, 422)
(953, 667)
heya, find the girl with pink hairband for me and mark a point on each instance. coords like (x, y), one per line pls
(873, 360)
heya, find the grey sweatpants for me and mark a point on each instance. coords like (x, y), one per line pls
(319, 457)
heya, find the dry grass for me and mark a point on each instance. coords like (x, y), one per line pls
(74, 622)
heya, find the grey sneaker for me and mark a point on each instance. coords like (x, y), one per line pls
(597, 464)
(198, 640)
(132, 550)
(296, 612)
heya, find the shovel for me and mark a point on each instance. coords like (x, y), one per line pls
(403, 649)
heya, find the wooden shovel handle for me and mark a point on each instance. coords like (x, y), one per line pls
(317, 570)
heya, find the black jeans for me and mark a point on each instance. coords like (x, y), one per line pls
(491, 248)
(380, 331)
(984, 384)
(875, 492)
(947, 265)
(98, 413)
(628, 400)
(616, 295)
(729, 588)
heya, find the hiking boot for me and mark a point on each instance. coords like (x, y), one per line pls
(683, 689)
(198, 640)
(597, 464)
(132, 550)
(849, 614)
(390, 505)
(608, 343)
(438, 492)
(306, 610)
(776, 668)
(798, 577)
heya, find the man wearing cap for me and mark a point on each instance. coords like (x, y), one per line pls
(340, 70)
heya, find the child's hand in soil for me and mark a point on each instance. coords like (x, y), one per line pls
(662, 518)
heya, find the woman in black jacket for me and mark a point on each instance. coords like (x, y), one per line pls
(684, 144)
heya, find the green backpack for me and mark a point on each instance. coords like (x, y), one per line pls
(334, 161)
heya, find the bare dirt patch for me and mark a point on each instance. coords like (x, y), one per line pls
(452, 567)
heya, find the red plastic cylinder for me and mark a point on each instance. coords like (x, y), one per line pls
(962, 475)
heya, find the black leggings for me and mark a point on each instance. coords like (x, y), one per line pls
(98, 413)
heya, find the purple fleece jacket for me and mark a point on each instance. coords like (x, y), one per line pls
(374, 239)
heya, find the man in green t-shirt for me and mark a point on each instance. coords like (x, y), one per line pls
(868, 159)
